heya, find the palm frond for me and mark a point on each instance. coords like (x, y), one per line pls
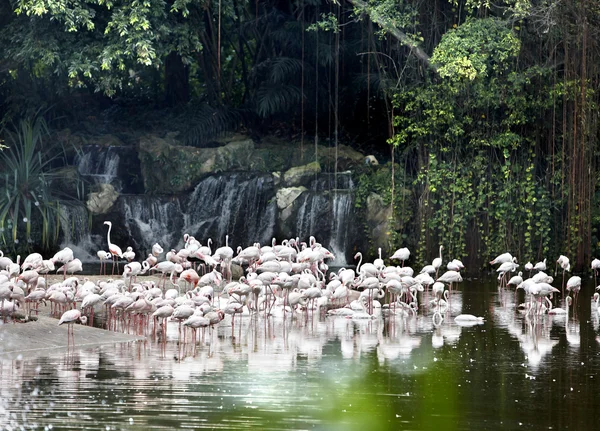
(278, 98)
(209, 123)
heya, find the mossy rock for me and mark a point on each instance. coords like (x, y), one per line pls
(171, 169)
(301, 175)
(66, 180)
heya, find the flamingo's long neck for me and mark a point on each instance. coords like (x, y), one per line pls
(441, 252)
(359, 262)
(108, 235)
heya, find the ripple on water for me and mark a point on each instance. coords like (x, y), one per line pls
(329, 373)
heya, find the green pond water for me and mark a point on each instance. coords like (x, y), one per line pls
(328, 373)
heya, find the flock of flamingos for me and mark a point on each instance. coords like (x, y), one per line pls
(197, 288)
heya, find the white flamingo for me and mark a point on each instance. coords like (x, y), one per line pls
(114, 249)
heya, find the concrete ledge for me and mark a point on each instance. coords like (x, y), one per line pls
(45, 334)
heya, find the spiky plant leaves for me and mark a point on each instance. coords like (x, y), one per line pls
(27, 182)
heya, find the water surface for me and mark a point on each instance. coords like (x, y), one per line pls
(511, 372)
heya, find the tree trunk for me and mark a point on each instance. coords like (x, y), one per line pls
(177, 81)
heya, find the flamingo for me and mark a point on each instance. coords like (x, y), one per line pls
(540, 266)
(131, 270)
(90, 301)
(4, 261)
(562, 311)
(157, 250)
(129, 254)
(63, 256)
(574, 285)
(71, 267)
(504, 257)
(437, 262)
(103, 255)
(401, 254)
(595, 268)
(70, 317)
(114, 249)
(225, 255)
(33, 261)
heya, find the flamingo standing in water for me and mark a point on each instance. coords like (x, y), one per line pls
(114, 249)
(595, 268)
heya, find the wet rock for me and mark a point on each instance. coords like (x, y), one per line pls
(101, 202)
(378, 215)
(170, 169)
(286, 197)
(276, 178)
(300, 175)
(66, 180)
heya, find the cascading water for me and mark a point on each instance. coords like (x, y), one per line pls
(151, 219)
(313, 216)
(99, 165)
(239, 205)
(117, 166)
(339, 243)
(325, 213)
(74, 225)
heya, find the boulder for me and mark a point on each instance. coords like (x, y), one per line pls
(378, 219)
(286, 197)
(102, 201)
(300, 175)
(171, 169)
(66, 180)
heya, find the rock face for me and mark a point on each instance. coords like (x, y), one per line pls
(170, 169)
(67, 180)
(299, 175)
(285, 201)
(378, 215)
(250, 190)
(101, 202)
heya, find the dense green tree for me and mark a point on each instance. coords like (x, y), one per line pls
(490, 107)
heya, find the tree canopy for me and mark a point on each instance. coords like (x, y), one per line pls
(490, 108)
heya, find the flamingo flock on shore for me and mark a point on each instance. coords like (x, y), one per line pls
(197, 287)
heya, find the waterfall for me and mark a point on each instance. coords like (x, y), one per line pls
(339, 242)
(313, 217)
(99, 165)
(74, 226)
(325, 213)
(238, 205)
(151, 219)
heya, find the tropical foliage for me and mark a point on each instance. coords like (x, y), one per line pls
(490, 108)
(27, 186)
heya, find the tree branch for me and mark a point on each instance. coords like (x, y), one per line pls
(388, 26)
